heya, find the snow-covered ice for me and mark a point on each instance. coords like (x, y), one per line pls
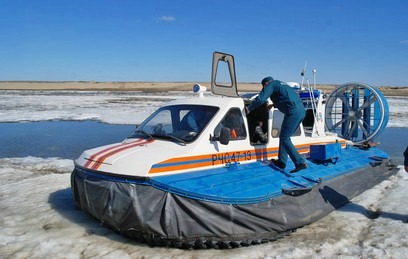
(105, 106)
(39, 219)
(114, 107)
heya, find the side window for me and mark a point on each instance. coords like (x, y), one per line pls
(234, 121)
(277, 123)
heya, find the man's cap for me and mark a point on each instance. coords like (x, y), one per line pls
(266, 79)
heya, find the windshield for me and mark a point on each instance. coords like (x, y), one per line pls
(182, 123)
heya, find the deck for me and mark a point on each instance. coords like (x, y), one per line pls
(262, 181)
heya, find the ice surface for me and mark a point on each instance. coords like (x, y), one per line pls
(110, 107)
(114, 107)
(39, 219)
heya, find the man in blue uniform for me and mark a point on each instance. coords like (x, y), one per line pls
(287, 101)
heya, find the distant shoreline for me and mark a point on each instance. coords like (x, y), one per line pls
(154, 86)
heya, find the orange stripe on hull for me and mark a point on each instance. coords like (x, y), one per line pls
(91, 159)
(99, 157)
(196, 162)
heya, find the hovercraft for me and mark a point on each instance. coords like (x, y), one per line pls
(192, 175)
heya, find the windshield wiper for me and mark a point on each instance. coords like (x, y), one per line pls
(144, 133)
(168, 136)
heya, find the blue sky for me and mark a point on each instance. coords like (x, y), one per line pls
(173, 40)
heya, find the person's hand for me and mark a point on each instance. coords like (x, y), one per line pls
(269, 106)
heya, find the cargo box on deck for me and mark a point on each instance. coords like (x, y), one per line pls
(324, 152)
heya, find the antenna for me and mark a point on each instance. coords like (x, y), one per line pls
(314, 78)
(302, 74)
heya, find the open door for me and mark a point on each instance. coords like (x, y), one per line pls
(223, 79)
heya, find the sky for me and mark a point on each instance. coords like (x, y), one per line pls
(173, 40)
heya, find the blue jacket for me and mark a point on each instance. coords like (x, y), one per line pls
(284, 98)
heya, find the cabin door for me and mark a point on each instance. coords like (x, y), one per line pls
(223, 78)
